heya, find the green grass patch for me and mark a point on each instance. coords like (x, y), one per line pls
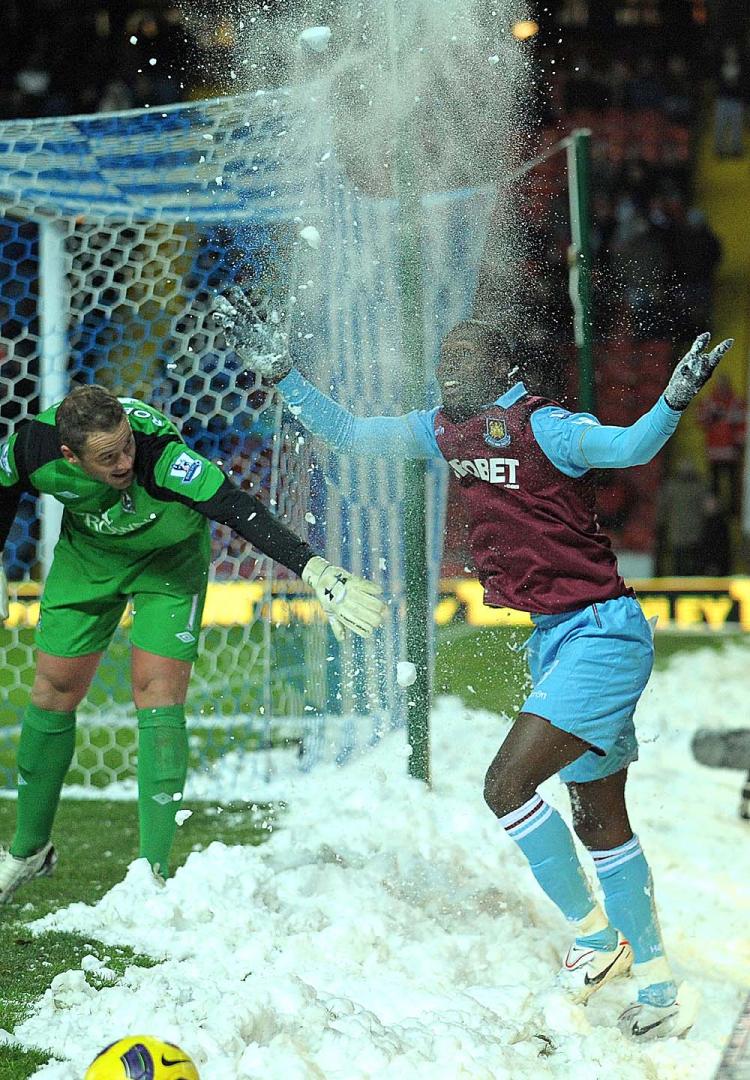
(487, 668)
(96, 841)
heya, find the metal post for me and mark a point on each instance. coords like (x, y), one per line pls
(417, 578)
(579, 192)
(53, 360)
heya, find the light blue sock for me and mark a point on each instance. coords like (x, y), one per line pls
(603, 940)
(629, 899)
(545, 840)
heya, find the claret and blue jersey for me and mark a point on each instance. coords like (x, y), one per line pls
(522, 464)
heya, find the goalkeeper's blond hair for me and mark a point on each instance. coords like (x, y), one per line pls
(84, 410)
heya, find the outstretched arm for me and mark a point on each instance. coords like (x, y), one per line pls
(577, 442)
(262, 345)
(408, 436)
(171, 472)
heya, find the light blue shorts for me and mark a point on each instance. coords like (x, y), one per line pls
(588, 669)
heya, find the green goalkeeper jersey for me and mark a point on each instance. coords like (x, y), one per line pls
(174, 493)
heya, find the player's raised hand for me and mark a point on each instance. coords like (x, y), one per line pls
(347, 600)
(4, 604)
(693, 371)
(260, 342)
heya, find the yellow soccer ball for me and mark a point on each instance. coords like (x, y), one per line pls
(141, 1057)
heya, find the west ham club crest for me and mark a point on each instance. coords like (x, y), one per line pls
(495, 432)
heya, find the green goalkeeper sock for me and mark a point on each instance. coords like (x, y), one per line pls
(45, 752)
(162, 768)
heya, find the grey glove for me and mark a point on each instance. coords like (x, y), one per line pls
(260, 343)
(694, 371)
(346, 599)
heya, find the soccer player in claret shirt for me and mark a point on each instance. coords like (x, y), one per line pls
(523, 464)
(135, 526)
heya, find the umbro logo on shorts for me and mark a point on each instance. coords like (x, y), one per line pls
(186, 636)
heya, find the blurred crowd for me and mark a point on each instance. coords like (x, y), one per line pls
(109, 57)
(655, 264)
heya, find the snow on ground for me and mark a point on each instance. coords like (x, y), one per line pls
(393, 932)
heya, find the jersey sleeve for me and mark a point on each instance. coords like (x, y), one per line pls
(13, 482)
(398, 437)
(180, 474)
(577, 442)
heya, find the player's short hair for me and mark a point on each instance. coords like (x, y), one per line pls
(497, 344)
(86, 409)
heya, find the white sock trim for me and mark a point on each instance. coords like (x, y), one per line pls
(532, 805)
(617, 852)
(608, 860)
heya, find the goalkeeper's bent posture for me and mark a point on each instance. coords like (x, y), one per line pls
(135, 526)
(522, 463)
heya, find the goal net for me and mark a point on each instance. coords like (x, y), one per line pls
(116, 232)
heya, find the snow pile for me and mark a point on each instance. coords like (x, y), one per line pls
(393, 932)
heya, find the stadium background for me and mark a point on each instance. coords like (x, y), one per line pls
(660, 275)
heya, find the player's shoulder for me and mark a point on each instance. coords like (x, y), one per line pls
(145, 418)
(32, 445)
(552, 412)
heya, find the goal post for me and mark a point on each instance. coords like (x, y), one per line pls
(580, 258)
(116, 232)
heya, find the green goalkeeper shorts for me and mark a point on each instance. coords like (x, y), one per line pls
(87, 590)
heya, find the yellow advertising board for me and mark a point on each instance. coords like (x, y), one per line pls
(680, 603)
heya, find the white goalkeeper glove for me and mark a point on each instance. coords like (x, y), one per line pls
(4, 604)
(348, 601)
(260, 343)
(694, 371)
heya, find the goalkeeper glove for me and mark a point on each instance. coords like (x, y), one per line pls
(4, 607)
(694, 371)
(261, 344)
(348, 601)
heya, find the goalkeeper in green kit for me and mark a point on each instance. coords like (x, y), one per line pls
(137, 502)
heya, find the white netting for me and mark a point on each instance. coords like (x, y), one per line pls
(115, 234)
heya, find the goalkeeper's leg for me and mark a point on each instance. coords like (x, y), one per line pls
(159, 689)
(44, 755)
(47, 744)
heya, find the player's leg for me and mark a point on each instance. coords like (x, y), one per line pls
(165, 636)
(588, 670)
(47, 744)
(600, 818)
(76, 621)
(533, 751)
(76, 624)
